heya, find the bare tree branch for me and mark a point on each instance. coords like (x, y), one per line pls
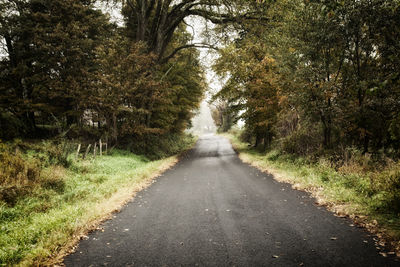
(196, 45)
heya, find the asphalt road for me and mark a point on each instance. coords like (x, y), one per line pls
(213, 210)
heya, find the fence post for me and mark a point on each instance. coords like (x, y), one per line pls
(101, 147)
(77, 151)
(87, 151)
(94, 149)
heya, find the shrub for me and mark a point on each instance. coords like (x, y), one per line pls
(245, 136)
(16, 175)
(155, 146)
(303, 141)
(388, 183)
(14, 170)
(26, 166)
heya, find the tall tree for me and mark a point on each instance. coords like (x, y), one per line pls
(154, 22)
(50, 53)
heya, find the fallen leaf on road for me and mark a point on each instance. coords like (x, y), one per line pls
(275, 256)
(383, 254)
(333, 238)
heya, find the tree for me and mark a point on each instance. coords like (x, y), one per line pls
(251, 90)
(154, 22)
(49, 46)
(332, 73)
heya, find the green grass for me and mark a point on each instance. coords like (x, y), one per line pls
(40, 227)
(357, 194)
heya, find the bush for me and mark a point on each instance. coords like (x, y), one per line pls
(303, 141)
(17, 175)
(10, 126)
(14, 170)
(56, 152)
(155, 146)
(26, 166)
(245, 136)
(387, 182)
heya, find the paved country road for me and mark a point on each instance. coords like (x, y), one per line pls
(213, 210)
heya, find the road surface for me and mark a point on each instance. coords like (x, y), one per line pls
(213, 210)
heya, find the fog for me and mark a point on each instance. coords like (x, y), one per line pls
(203, 122)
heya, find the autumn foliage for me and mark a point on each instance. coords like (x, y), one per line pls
(319, 76)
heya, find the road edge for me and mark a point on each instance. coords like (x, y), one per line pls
(383, 242)
(117, 203)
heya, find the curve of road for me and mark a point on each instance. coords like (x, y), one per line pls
(213, 210)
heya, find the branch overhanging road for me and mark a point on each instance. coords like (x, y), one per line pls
(213, 210)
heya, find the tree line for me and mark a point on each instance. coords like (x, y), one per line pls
(317, 76)
(66, 69)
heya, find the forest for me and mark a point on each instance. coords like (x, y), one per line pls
(312, 79)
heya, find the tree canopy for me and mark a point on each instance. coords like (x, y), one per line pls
(321, 73)
(309, 75)
(67, 68)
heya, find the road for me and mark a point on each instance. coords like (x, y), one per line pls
(213, 210)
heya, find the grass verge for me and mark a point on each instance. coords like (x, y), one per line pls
(44, 225)
(346, 194)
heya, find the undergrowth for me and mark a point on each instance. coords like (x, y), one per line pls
(159, 146)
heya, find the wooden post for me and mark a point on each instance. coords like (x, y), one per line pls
(101, 147)
(87, 151)
(106, 144)
(94, 149)
(77, 151)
